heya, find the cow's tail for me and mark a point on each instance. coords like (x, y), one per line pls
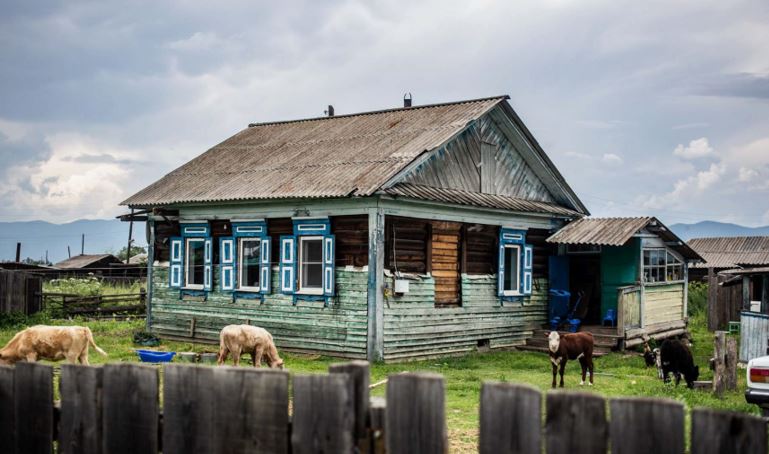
(93, 344)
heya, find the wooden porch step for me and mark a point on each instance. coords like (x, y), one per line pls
(597, 352)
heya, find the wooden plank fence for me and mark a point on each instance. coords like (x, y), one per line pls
(20, 292)
(115, 409)
(71, 305)
(754, 335)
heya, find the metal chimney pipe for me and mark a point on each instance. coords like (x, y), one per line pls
(330, 111)
(407, 100)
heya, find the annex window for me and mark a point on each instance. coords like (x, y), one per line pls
(659, 265)
(311, 265)
(250, 264)
(190, 258)
(515, 263)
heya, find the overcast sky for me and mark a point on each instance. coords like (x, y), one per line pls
(646, 107)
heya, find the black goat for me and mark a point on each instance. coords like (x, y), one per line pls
(676, 357)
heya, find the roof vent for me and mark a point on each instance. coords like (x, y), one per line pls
(330, 111)
(407, 100)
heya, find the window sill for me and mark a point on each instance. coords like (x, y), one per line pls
(249, 289)
(194, 288)
(318, 292)
(660, 284)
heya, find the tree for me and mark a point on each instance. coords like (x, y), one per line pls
(134, 250)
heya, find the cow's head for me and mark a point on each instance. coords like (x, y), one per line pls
(5, 360)
(277, 364)
(650, 356)
(553, 341)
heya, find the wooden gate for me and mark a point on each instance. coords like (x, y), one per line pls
(754, 335)
(20, 291)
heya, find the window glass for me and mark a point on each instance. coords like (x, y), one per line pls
(195, 269)
(512, 260)
(660, 265)
(311, 263)
(249, 263)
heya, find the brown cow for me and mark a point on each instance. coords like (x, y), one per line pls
(571, 346)
(237, 339)
(50, 342)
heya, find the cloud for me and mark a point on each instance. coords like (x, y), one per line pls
(611, 158)
(577, 155)
(746, 175)
(741, 85)
(695, 125)
(698, 148)
(685, 189)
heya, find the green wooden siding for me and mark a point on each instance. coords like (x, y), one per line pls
(415, 329)
(339, 329)
(619, 267)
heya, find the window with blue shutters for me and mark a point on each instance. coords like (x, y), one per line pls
(307, 259)
(245, 260)
(191, 258)
(227, 254)
(515, 264)
(175, 269)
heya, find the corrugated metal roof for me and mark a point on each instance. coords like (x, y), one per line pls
(600, 231)
(460, 197)
(83, 260)
(322, 157)
(730, 252)
(617, 232)
(756, 270)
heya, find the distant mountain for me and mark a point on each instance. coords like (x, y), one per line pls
(37, 237)
(707, 229)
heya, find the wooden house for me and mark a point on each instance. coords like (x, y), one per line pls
(88, 261)
(397, 234)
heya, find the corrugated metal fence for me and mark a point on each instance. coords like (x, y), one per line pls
(20, 292)
(116, 409)
(754, 335)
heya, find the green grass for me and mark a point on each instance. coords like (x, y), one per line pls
(617, 374)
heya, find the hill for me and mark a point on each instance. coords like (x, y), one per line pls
(707, 229)
(37, 237)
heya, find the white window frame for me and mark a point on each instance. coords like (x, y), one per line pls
(680, 262)
(187, 256)
(300, 264)
(517, 291)
(241, 262)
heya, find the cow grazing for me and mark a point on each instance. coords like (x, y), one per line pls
(571, 346)
(676, 357)
(50, 342)
(237, 339)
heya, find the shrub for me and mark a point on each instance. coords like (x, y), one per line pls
(89, 286)
(698, 298)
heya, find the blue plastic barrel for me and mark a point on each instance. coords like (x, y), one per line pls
(559, 303)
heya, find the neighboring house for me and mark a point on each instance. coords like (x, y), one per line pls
(88, 261)
(138, 259)
(724, 253)
(397, 234)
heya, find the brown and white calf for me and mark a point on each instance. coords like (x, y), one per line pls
(571, 346)
(50, 342)
(238, 339)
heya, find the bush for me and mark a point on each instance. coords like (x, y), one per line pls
(698, 298)
(18, 321)
(89, 286)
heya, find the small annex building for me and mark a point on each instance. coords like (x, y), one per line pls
(390, 235)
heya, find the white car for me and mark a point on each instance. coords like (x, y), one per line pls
(758, 383)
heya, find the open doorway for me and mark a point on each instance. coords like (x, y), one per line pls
(585, 283)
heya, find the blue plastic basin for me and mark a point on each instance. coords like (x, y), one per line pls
(149, 356)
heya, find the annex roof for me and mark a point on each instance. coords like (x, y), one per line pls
(83, 260)
(326, 157)
(617, 232)
(731, 252)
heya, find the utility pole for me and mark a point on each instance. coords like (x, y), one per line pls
(82, 245)
(18, 252)
(69, 254)
(130, 233)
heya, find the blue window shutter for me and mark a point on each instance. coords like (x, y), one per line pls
(287, 264)
(501, 272)
(528, 259)
(175, 275)
(264, 265)
(207, 265)
(227, 263)
(328, 264)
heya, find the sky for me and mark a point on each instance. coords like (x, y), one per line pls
(656, 107)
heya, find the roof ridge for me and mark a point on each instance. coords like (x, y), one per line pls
(374, 112)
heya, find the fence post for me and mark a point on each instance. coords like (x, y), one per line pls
(712, 309)
(80, 426)
(642, 426)
(570, 417)
(358, 371)
(188, 409)
(250, 410)
(324, 414)
(719, 372)
(7, 426)
(510, 419)
(130, 409)
(33, 407)
(377, 416)
(415, 421)
(731, 363)
(716, 431)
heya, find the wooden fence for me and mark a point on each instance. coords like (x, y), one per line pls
(754, 335)
(115, 409)
(20, 292)
(71, 305)
(724, 302)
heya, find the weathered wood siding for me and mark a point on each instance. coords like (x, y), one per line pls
(456, 166)
(446, 249)
(339, 329)
(415, 329)
(754, 335)
(663, 303)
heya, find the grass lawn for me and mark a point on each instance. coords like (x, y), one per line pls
(617, 374)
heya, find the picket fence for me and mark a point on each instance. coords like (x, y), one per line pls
(116, 409)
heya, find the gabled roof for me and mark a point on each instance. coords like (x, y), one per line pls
(617, 232)
(326, 157)
(730, 252)
(459, 197)
(84, 260)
